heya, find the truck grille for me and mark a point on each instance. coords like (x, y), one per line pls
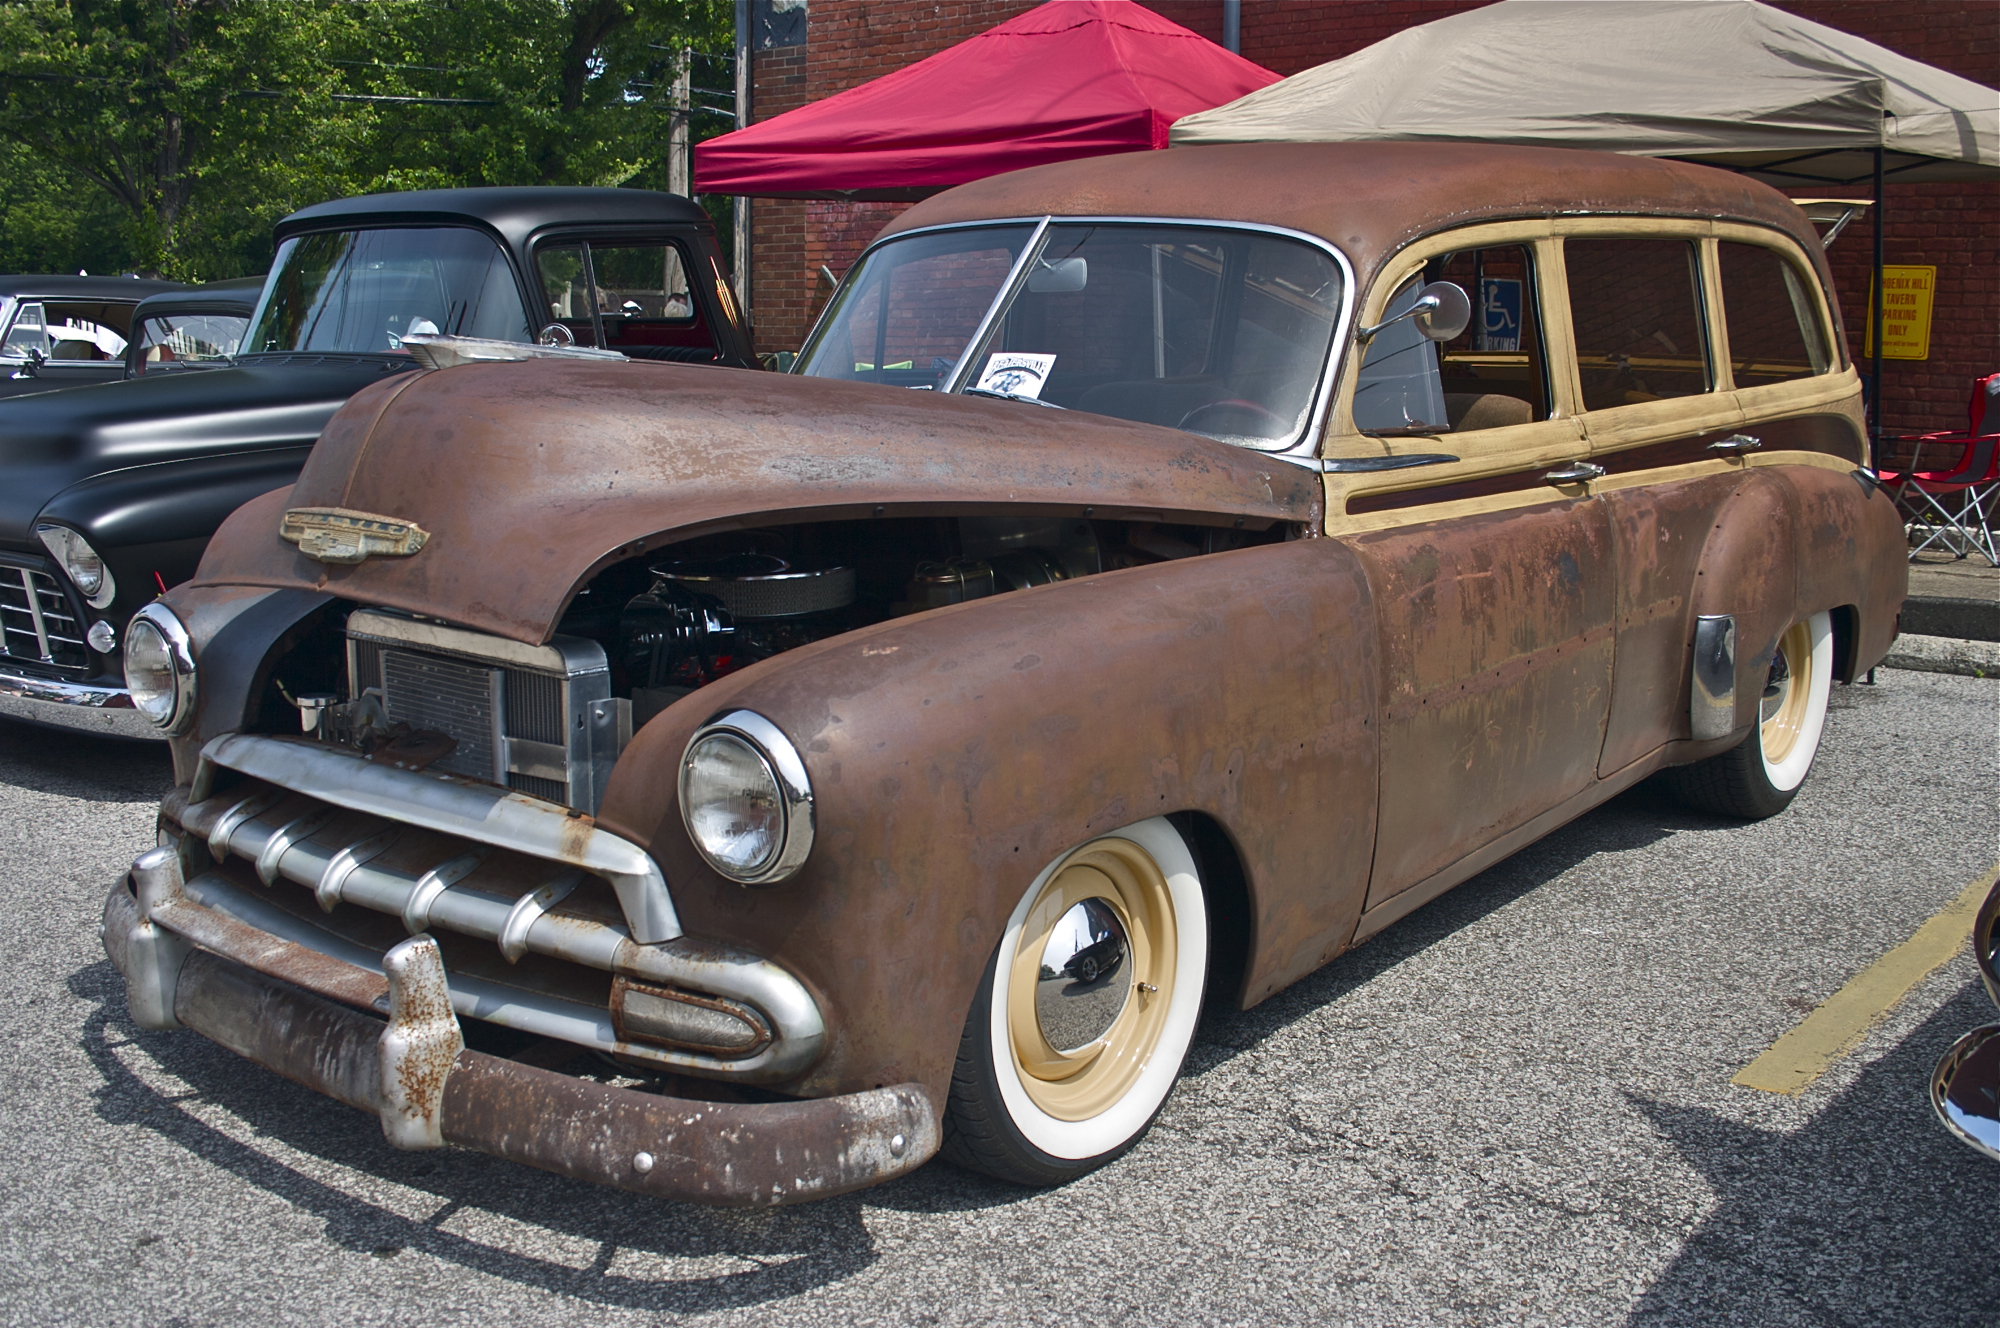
(38, 624)
(538, 719)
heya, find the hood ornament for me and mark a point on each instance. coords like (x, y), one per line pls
(341, 535)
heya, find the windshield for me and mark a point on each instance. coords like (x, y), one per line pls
(177, 340)
(366, 290)
(1219, 332)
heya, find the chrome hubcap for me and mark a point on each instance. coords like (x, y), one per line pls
(1079, 992)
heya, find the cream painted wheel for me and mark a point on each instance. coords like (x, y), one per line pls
(1086, 1011)
(1792, 711)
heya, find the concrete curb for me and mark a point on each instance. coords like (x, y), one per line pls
(1944, 654)
(1951, 616)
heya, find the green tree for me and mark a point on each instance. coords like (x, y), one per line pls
(170, 134)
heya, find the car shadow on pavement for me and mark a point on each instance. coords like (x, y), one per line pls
(1868, 1213)
(1640, 816)
(649, 1253)
(82, 765)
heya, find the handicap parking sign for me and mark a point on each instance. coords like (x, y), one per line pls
(1499, 325)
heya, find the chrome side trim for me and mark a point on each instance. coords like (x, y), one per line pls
(482, 813)
(84, 707)
(1712, 688)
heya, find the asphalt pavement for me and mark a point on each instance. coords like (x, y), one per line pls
(1512, 1107)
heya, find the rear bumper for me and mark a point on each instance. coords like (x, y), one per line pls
(74, 705)
(404, 1070)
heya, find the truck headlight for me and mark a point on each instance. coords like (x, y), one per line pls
(159, 668)
(746, 800)
(80, 563)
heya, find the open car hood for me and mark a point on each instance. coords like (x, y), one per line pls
(528, 477)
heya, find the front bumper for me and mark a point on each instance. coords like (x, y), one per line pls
(413, 1072)
(74, 705)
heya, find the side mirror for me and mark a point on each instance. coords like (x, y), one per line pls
(556, 334)
(1065, 276)
(1442, 311)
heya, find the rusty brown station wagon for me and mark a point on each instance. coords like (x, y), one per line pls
(1160, 574)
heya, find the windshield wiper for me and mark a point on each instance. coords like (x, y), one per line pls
(1404, 433)
(1008, 396)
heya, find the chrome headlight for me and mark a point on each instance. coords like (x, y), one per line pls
(745, 799)
(80, 563)
(159, 667)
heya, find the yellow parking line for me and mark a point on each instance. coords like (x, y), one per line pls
(1831, 1031)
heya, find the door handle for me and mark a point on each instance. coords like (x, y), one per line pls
(1576, 472)
(1736, 444)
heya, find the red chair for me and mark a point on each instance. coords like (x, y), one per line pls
(1973, 480)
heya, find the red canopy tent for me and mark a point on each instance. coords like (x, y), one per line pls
(1079, 78)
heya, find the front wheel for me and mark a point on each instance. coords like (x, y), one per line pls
(1085, 1012)
(1761, 775)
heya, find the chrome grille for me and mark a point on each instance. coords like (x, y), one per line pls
(444, 696)
(538, 719)
(37, 622)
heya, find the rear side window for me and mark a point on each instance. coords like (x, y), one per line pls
(1773, 320)
(1636, 306)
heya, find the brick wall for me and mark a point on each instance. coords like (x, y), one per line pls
(1955, 227)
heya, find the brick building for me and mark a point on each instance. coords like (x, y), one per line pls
(805, 51)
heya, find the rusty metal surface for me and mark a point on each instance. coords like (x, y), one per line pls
(735, 1154)
(1661, 532)
(718, 1153)
(955, 754)
(1851, 550)
(529, 476)
(1497, 636)
(1371, 199)
(419, 1047)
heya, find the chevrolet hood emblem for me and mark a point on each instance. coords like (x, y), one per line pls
(340, 535)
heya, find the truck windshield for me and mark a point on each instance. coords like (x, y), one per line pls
(365, 290)
(1215, 331)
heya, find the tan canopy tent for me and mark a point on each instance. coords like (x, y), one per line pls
(1729, 83)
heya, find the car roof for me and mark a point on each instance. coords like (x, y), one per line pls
(236, 296)
(1367, 199)
(514, 212)
(31, 285)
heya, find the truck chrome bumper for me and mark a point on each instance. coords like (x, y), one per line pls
(413, 1071)
(74, 705)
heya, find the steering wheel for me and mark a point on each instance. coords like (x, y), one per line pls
(1279, 426)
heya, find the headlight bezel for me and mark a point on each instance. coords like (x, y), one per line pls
(63, 544)
(179, 648)
(794, 788)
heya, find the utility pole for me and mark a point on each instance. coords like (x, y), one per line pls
(678, 160)
(743, 122)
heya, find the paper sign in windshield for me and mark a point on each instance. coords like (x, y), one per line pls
(1016, 375)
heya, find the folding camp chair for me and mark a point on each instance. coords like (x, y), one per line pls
(1971, 483)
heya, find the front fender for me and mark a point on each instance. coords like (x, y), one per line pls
(956, 753)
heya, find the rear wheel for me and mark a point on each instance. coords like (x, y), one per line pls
(1761, 775)
(1085, 1012)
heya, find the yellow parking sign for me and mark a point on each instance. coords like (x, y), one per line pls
(1906, 313)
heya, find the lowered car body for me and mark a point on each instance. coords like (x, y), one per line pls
(741, 789)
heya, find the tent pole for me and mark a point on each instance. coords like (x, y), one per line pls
(1232, 26)
(1875, 322)
(742, 208)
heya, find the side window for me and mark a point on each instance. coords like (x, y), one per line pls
(26, 334)
(1636, 308)
(165, 339)
(1497, 372)
(1773, 320)
(632, 294)
(566, 290)
(1399, 389)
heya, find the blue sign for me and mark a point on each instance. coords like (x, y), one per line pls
(1499, 314)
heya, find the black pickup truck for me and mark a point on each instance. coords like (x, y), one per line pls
(109, 494)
